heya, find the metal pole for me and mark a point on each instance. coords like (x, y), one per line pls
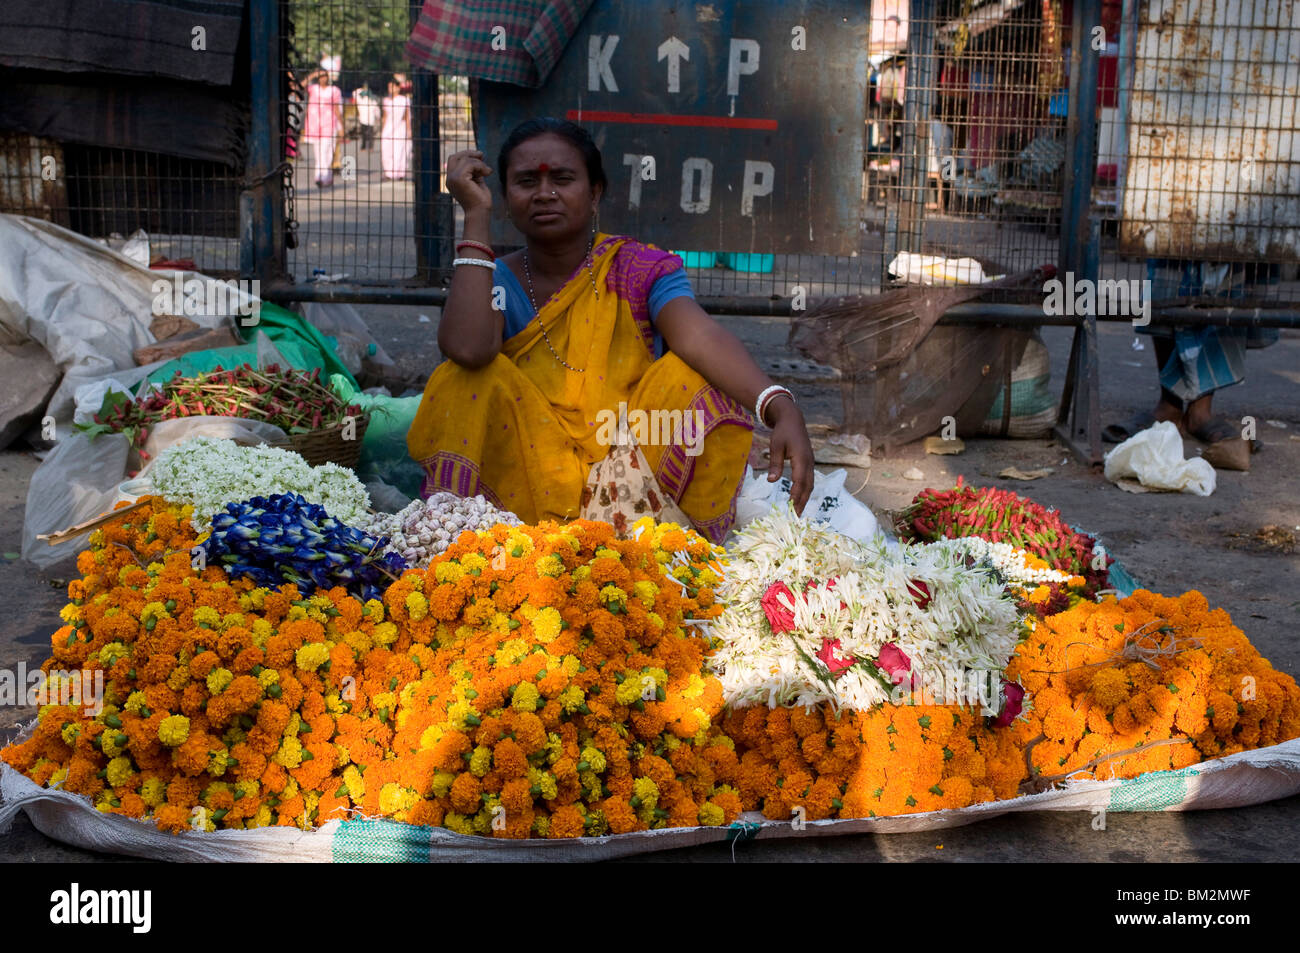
(1079, 423)
(261, 202)
(434, 220)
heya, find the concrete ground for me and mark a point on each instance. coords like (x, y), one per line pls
(1171, 542)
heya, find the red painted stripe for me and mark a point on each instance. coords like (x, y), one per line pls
(666, 119)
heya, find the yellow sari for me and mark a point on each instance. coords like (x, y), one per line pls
(524, 430)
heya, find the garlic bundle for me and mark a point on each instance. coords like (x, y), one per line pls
(426, 528)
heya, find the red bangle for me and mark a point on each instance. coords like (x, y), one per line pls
(485, 249)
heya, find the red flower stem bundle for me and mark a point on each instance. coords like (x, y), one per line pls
(1001, 516)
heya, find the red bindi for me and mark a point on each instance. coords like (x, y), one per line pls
(543, 168)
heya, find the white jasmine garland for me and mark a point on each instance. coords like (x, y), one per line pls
(425, 528)
(208, 473)
(965, 635)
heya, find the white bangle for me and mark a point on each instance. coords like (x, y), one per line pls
(769, 392)
(483, 262)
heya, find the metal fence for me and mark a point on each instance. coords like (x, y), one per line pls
(974, 147)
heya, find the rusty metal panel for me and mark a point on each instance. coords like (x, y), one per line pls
(728, 126)
(32, 179)
(1212, 169)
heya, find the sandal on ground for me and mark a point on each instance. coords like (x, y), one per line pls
(1118, 433)
(1216, 429)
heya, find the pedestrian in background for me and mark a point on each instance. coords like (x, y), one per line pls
(369, 114)
(395, 137)
(324, 123)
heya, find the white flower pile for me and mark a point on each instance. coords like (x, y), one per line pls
(1008, 560)
(426, 528)
(209, 473)
(964, 636)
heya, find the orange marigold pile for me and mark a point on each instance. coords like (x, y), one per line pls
(223, 705)
(893, 759)
(1146, 683)
(563, 695)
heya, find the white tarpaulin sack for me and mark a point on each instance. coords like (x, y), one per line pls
(1239, 780)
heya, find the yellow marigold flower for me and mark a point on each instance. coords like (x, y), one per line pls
(218, 679)
(458, 714)
(256, 597)
(518, 544)
(290, 753)
(569, 665)
(312, 656)
(442, 782)
(499, 623)
(645, 591)
(154, 792)
(526, 697)
(174, 730)
(262, 818)
(230, 620)
(572, 698)
(542, 825)
(480, 761)
(549, 787)
(69, 733)
(431, 736)
(694, 686)
(247, 788)
(470, 562)
(179, 678)
(656, 618)
(374, 610)
(711, 815)
(633, 688)
(707, 577)
(672, 743)
(383, 700)
(104, 801)
(393, 798)
(612, 594)
(550, 565)
(207, 616)
(547, 624)
(417, 606)
(154, 610)
(261, 632)
(355, 782)
(646, 792)
(120, 772)
(512, 652)
(134, 702)
(581, 573)
(218, 761)
(267, 678)
(385, 633)
(594, 757)
(605, 552)
(554, 747)
(358, 642)
(458, 823)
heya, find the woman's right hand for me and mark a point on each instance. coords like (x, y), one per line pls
(466, 171)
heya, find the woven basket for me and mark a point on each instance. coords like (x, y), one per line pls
(328, 446)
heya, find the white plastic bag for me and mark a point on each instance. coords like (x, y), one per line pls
(829, 503)
(82, 477)
(77, 481)
(934, 269)
(1154, 457)
(353, 340)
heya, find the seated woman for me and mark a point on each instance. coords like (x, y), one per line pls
(549, 342)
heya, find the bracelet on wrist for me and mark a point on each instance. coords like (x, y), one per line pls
(766, 397)
(481, 262)
(477, 246)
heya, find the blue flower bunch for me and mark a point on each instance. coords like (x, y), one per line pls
(283, 538)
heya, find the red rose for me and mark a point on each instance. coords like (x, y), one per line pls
(894, 662)
(778, 616)
(1014, 697)
(837, 666)
(919, 592)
